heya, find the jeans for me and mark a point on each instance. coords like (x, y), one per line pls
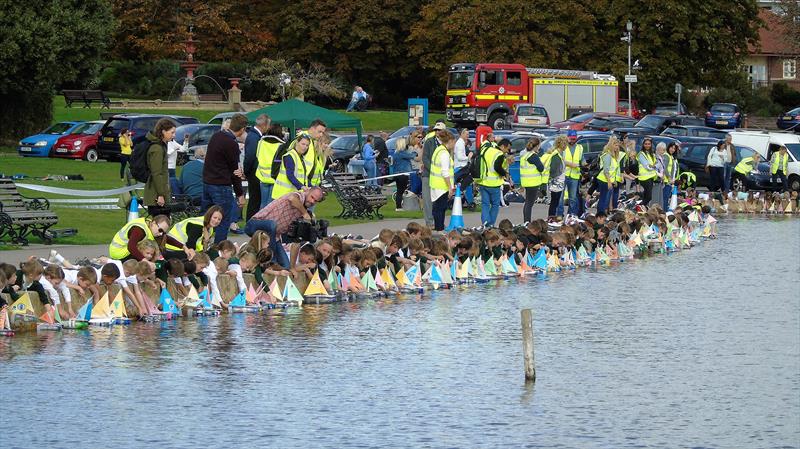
(615, 196)
(605, 196)
(123, 161)
(728, 174)
(174, 184)
(667, 195)
(439, 210)
(427, 206)
(222, 196)
(266, 195)
(372, 171)
(490, 205)
(416, 184)
(572, 186)
(351, 105)
(268, 226)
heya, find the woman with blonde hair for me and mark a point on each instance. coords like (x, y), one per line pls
(556, 179)
(607, 178)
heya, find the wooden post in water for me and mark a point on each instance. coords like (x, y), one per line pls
(527, 345)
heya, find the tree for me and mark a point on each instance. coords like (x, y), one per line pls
(227, 30)
(280, 74)
(790, 18)
(46, 44)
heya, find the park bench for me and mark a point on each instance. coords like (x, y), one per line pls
(357, 200)
(87, 97)
(211, 97)
(21, 217)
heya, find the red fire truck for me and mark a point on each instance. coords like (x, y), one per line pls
(485, 93)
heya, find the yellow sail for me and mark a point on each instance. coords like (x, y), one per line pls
(788, 209)
(22, 306)
(387, 278)
(101, 310)
(315, 286)
(402, 280)
(275, 290)
(192, 298)
(118, 307)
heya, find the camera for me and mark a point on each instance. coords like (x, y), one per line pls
(306, 231)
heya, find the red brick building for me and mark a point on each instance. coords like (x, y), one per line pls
(774, 59)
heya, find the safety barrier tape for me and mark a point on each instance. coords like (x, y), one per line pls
(81, 193)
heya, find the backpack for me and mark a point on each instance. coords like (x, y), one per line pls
(278, 159)
(475, 163)
(138, 162)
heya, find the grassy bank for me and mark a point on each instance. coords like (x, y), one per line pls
(98, 226)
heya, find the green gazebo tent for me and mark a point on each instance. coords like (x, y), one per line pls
(295, 114)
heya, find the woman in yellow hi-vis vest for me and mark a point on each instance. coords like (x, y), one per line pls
(607, 178)
(530, 176)
(124, 244)
(647, 170)
(265, 154)
(780, 168)
(293, 174)
(442, 179)
(194, 232)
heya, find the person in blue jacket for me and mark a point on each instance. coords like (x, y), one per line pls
(368, 155)
(401, 158)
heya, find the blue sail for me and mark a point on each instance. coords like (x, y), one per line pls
(205, 299)
(85, 312)
(436, 277)
(540, 261)
(167, 303)
(238, 301)
(513, 261)
(531, 261)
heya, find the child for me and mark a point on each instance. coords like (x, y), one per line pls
(54, 275)
(176, 278)
(383, 239)
(305, 260)
(29, 278)
(414, 229)
(10, 274)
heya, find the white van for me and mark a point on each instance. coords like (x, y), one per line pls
(767, 142)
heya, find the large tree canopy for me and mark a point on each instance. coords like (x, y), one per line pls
(45, 44)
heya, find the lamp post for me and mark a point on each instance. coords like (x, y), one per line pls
(285, 80)
(627, 38)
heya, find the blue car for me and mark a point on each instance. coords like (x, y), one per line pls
(39, 145)
(790, 120)
(724, 115)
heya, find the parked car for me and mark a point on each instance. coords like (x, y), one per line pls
(344, 148)
(767, 143)
(724, 115)
(609, 123)
(219, 118)
(138, 124)
(655, 124)
(622, 108)
(679, 131)
(670, 108)
(39, 145)
(199, 135)
(694, 155)
(579, 121)
(391, 142)
(790, 120)
(527, 116)
(81, 143)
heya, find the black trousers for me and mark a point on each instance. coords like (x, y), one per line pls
(402, 185)
(555, 200)
(647, 195)
(531, 195)
(123, 161)
(717, 178)
(254, 195)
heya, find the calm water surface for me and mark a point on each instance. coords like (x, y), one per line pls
(696, 349)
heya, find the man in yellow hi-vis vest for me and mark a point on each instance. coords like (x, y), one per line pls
(493, 171)
(780, 168)
(573, 161)
(265, 155)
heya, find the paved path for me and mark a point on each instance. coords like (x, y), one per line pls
(367, 230)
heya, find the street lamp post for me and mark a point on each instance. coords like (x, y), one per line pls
(629, 27)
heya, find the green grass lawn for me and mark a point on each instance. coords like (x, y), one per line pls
(98, 226)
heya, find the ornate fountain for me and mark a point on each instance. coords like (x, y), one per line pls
(189, 92)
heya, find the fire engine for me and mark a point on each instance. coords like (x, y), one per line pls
(485, 93)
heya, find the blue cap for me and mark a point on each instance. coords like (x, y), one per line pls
(572, 133)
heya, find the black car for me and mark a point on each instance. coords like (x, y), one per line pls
(344, 148)
(608, 123)
(680, 131)
(655, 124)
(694, 154)
(670, 108)
(138, 124)
(789, 120)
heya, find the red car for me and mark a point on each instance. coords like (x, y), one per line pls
(622, 108)
(81, 143)
(579, 121)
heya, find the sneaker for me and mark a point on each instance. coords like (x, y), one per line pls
(236, 231)
(399, 209)
(52, 258)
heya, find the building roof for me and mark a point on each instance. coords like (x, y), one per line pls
(773, 39)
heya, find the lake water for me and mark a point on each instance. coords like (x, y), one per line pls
(696, 349)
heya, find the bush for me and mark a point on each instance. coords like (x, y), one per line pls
(785, 96)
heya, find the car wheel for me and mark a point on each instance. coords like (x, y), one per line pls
(90, 155)
(497, 120)
(738, 183)
(794, 183)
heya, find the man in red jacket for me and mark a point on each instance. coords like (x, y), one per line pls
(222, 175)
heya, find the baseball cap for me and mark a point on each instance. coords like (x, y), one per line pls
(439, 126)
(572, 133)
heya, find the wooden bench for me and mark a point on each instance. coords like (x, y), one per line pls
(21, 217)
(211, 97)
(87, 96)
(357, 199)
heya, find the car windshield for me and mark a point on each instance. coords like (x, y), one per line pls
(581, 117)
(118, 124)
(58, 128)
(344, 143)
(90, 128)
(402, 132)
(531, 110)
(672, 131)
(794, 111)
(724, 108)
(794, 148)
(460, 80)
(623, 104)
(713, 133)
(650, 121)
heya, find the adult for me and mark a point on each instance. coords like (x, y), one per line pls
(658, 182)
(556, 174)
(173, 148)
(265, 157)
(530, 175)
(358, 95)
(607, 177)
(250, 163)
(293, 175)
(124, 245)
(429, 143)
(573, 160)
(125, 150)
(315, 158)
(192, 177)
(715, 166)
(671, 172)
(222, 177)
(748, 164)
(461, 159)
(276, 217)
(402, 158)
(194, 232)
(729, 166)
(779, 168)
(156, 189)
(492, 169)
(379, 145)
(442, 179)
(647, 170)
(368, 155)
(415, 146)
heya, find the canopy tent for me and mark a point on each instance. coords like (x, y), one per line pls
(295, 114)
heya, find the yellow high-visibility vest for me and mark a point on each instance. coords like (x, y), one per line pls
(780, 163)
(529, 175)
(646, 174)
(282, 183)
(179, 233)
(575, 158)
(612, 170)
(118, 249)
(490, 177)
(745, 166)
(265, 153)
(436, 180)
